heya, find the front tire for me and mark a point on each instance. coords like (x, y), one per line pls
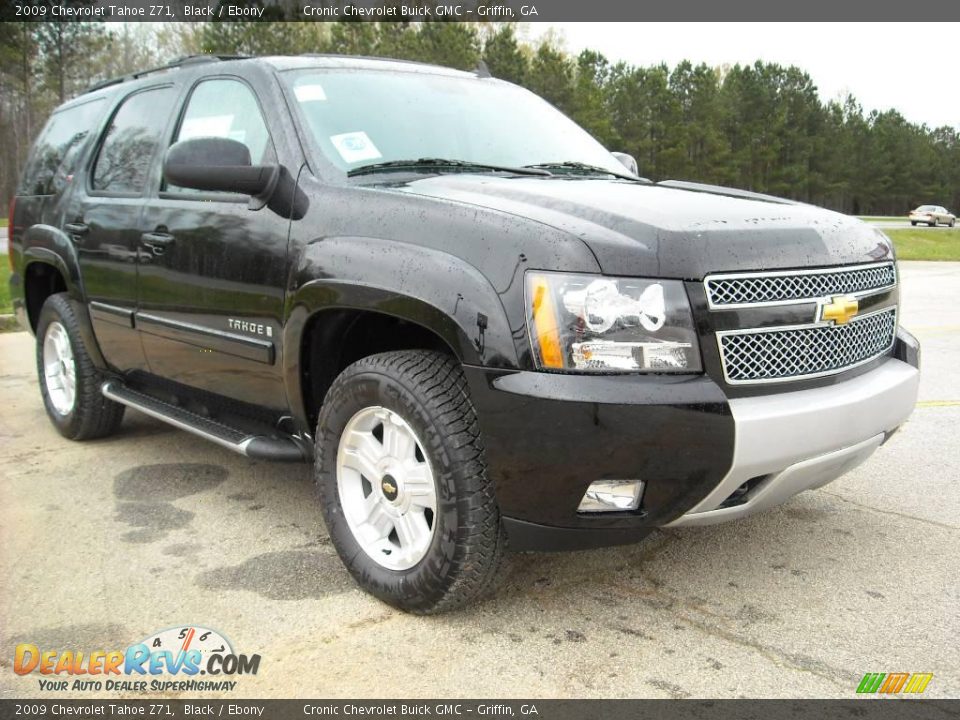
(69, 381)
(402, 479)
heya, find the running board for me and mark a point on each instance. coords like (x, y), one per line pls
(282, 449)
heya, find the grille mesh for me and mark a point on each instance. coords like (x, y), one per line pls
(791, 354)
(746, 290)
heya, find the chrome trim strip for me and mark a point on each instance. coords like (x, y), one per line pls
(107, 390)
(794, 273)
(213, 332)
(809, 326)
(249, 348)
(111, 313)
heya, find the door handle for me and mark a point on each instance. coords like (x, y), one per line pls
(76, 229)
(157, 241)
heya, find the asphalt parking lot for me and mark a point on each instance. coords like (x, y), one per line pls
(105, 543)
(895, 224)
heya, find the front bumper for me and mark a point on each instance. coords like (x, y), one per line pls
(790, 442)
(704, 458)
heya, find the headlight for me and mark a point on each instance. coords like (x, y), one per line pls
(590, 323)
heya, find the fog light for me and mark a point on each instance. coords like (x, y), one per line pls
(612, 496)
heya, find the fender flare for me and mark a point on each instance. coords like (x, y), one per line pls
(457, 303)
(45, 243)
(49, 246)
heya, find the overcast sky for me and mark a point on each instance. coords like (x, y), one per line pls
(912, 68)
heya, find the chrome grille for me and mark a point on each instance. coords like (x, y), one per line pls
(795, 286)
(803, 351)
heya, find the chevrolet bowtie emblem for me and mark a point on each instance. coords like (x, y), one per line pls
(839, 309)
(388, 488)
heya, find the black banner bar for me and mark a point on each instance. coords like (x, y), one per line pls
(857, 11)
(872, 708)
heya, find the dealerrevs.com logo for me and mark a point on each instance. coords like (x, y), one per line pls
(185, 653)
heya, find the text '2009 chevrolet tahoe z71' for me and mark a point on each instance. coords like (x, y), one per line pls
(481, 326)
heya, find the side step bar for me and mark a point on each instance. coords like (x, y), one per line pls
(283, 449)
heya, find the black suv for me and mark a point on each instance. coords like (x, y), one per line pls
(480, 325)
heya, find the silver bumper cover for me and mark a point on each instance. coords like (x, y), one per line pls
(795, 441)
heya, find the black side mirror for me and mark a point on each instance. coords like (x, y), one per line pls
(219, 165)
(628, 161)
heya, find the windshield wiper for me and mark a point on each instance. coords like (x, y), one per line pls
(440, 163)
(582, 168)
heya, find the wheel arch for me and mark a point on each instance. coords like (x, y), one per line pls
(358, 295)
(44, 274)
(49, 264)
(331, 338)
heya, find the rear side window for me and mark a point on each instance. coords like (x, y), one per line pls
(126, 154)
(55, 153)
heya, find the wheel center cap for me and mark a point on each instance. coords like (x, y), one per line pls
(389, 488)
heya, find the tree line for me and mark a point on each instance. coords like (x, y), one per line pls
(762, 127)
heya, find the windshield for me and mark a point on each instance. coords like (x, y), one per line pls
(365, 117)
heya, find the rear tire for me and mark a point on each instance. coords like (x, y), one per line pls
(423, 396)
(69, 381)
(933, 224)
(913, 223)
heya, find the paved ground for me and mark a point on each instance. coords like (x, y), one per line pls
(107, 542)
(902, 225)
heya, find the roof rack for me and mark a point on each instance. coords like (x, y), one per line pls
(382, 58)
(184, 61)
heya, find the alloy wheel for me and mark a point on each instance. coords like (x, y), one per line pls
(59, 368)
(386, 488)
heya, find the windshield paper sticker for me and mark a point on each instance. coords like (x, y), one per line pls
(214, 126)
(307, 93)
(355, 146)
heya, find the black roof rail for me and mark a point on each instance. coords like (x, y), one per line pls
(382, 58)
(184, 61)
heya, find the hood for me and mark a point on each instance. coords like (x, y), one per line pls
(639, 229)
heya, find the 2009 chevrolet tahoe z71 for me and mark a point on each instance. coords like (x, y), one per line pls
(480, 325)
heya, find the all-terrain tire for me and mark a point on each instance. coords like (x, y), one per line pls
(429, 392)
(91, 415)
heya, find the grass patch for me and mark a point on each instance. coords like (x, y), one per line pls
(881, 218)
(926, 244)
(3, 222)
(5, 305)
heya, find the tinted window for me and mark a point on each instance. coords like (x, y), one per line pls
(226, 109)
(127, 151)
(55, 153)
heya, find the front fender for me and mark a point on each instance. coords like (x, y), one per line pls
(422, 285)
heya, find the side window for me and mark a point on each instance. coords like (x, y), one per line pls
(55, 152)
(227, 109)
(123, 164)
